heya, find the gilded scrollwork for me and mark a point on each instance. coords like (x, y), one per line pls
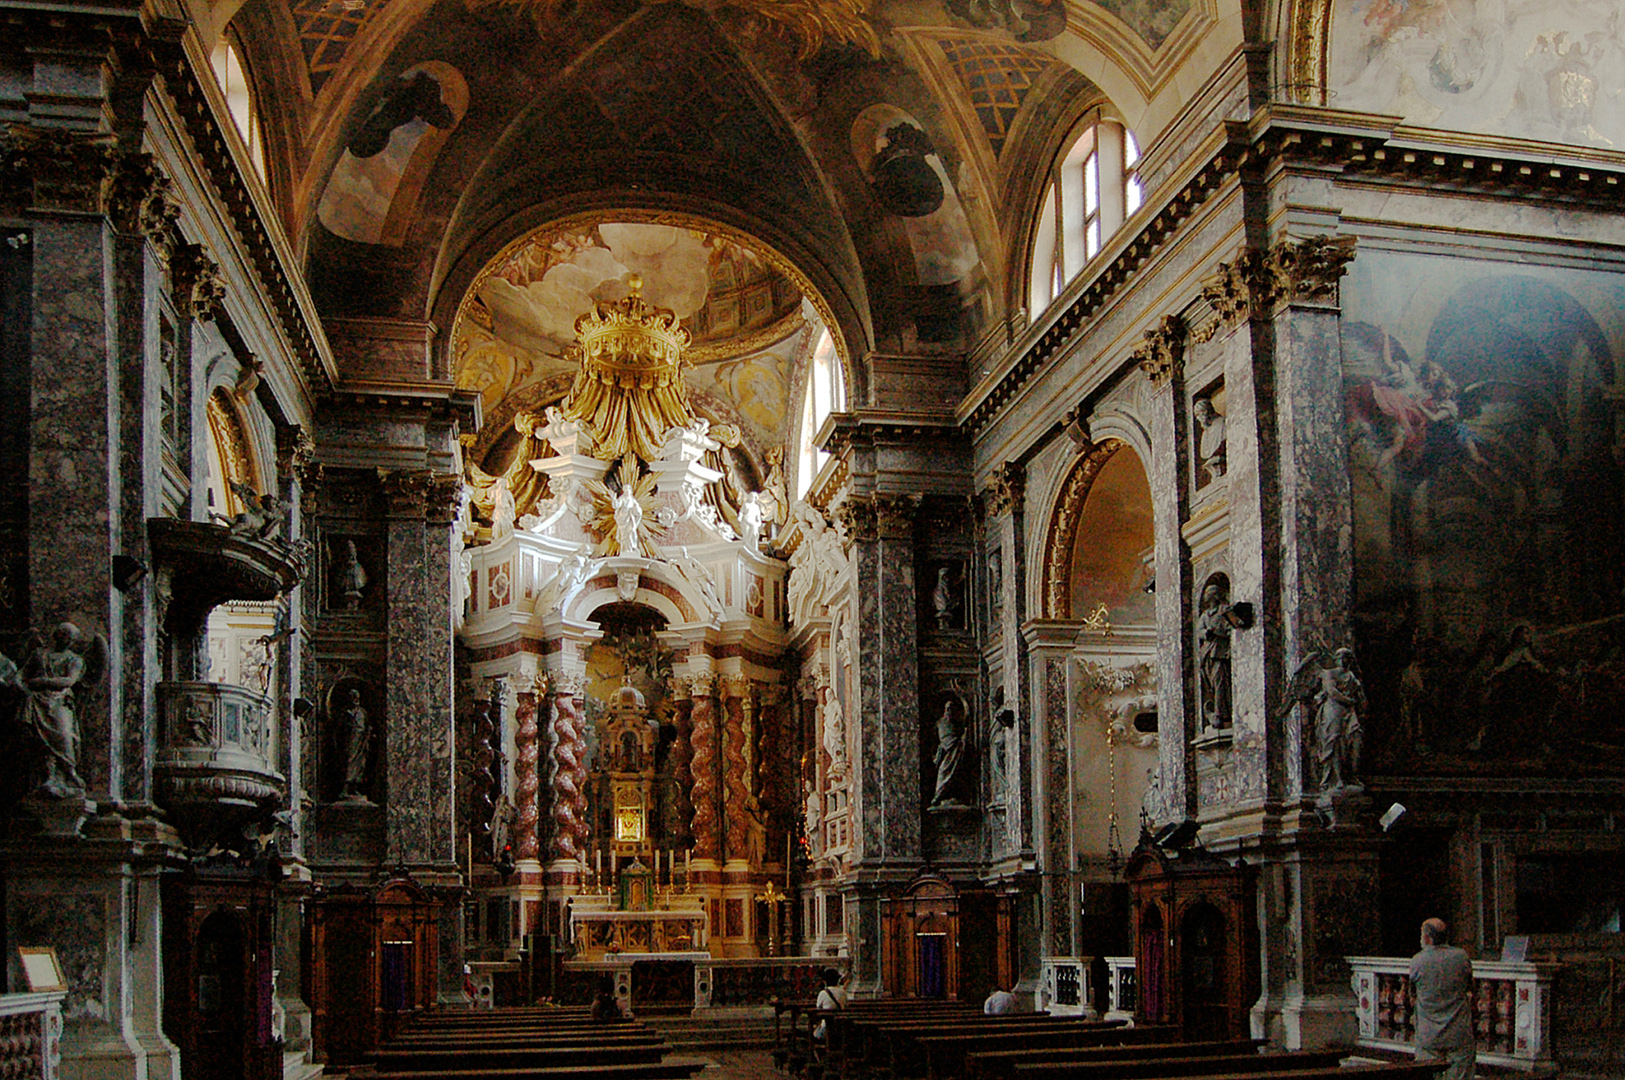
(1257, 281)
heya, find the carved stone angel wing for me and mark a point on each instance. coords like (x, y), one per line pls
(1305, 681)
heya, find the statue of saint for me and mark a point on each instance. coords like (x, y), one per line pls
(628, 517)
(349, 577)
(45, 685)
(1213, 630)
(751, 516)
(1332, 687)
(1210, 446)
(950, 756)
(356, 727)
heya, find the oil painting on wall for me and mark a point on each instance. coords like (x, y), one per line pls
(1487, 453)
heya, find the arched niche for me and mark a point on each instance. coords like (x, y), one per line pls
(1100, 534)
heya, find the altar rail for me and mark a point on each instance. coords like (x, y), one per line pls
(1511, 1009)
(1067, 986)
(31, 1035)
(696, 980)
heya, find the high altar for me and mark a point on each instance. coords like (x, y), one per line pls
(635, 750)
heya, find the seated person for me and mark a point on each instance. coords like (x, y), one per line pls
(832, 998)
(1000, 1002)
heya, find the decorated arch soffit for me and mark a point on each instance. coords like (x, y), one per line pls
(749, 311)
(1065, 517)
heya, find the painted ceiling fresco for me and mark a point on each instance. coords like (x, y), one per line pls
(998, 78)
(748, 320)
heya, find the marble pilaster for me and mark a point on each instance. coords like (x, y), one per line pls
(417, 732)
(888, 784)
(1049, 641)
(1005, 502)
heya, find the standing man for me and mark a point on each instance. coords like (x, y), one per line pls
(1442, 985)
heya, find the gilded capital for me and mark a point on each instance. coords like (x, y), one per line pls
(141, 203)
(53, 169)
(1007, 489)
(858, 519)
(701, 684)
(894, 516)
(194, 279)
(1163, 350)
(1258, 282)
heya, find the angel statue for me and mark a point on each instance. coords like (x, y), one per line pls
(1332, 687)
(44, 692)
(260, 516)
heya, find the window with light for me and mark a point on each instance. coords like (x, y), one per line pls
(825, 394)
(233, 78)
(1093, 188)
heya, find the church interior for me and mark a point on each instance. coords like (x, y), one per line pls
(1122, 500)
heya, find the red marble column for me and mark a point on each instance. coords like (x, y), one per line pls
(526, 782)
(707, 826)
(734, 794)
(569, 775)
(682, 757)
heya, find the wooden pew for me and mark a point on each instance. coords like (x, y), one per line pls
(989, 1062)
(907, 1044)
(659, 1070)
(1258, 1067)
(944, 1056)
(869, 1040)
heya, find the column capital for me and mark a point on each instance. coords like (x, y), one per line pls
(1258, 280)
(1163, 350)
(195, 282)
(1006, 489)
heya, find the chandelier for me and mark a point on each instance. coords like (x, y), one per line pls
(630, 390)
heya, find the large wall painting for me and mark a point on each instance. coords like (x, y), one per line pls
(1533, 69)
(1487, 453)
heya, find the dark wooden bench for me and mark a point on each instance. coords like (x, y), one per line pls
(660, 1070)
(1258, 1068)
(946, 1055)
(908, 1046)
(542, 1055)
(863, 1041)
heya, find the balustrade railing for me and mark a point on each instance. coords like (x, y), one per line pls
(1511, 1008)
(1121, 988)
(31, 1035)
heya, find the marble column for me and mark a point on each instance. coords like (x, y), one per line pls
(734, 778)
(526, 783)
(680, 831)
(707, 825)
(571, 830)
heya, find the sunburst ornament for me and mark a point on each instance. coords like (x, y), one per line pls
(624, 519)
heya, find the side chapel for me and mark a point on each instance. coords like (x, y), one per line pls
(1123, 499)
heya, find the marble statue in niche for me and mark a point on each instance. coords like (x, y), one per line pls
(950, 758)
(1211, 442)
(948, 599)
(355, 730)
(1332, 688)
(349, 577)
(1213, 629)
(42, 702)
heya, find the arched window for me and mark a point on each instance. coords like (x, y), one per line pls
(825, 394)
(1094, 187)
(234, 84)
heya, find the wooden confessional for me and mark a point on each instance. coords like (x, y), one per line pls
(1195, 941)
(373, 960)
(941, 942)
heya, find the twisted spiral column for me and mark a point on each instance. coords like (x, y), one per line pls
(734, 793)
(566, 765)
(682, 775)
(569, 700)
(526, 781)
(703, 768)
